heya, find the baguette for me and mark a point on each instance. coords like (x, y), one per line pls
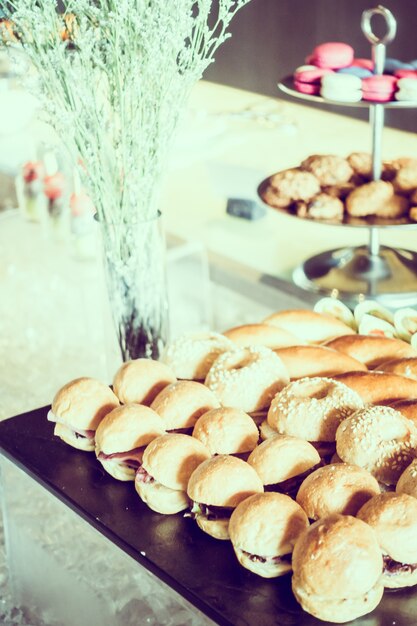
(404, 367)
(301, 361)
(262, 335)
(372, 350)
(379, 387)
(308, 325)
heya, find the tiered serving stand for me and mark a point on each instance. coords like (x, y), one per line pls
(353, 273)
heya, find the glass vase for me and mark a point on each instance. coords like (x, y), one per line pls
(135, 271)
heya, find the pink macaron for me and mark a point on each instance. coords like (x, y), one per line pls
(405, 74)
(308, 81)
(379, 88)
(332, 55)
(367, 64)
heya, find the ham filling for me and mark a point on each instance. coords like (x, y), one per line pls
(392, 567)
(142, 476)
(79, 434)
(290, 486)
(130, 458)
(268, 560)
(210, 512)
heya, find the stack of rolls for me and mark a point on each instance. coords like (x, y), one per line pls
(271, 436)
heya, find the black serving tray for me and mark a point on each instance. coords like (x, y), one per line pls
(201, 569)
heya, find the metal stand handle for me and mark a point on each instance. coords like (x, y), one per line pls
(376, 111)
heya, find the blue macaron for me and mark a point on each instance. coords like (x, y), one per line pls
(392, 65)
(360, 72)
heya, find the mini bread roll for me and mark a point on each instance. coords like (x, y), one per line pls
(190, 356)
(141, 380)
(372, 350)
(407, 408)
(393, 517)
(337, 566)
(261, 335)
(337, 488)
(226, 431)
(182, 403)
(407, 482)
(301, 361)
(308, 325)
(402, 366)
(379, 387)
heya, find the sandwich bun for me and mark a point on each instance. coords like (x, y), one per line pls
(266, 431)
(82, 403)
(222, 481)
(312, 408)
(283, 457)
(191, 355)
(407, 408)
(126, 429)
(168, 462)
(407, 482)
(393, 517)
(261, 335)
(309, 326)
(302, 361)
(337, 566)
(372, 350)
(379, 387)
(226, 431)
(141, 380)
(379, 439)
(70, 437)
(247, 378)
(337, 488)
(182, 403)
(259, 546)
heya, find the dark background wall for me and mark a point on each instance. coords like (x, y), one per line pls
(272, 37)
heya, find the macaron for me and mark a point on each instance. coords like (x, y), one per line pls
(367, 64)
(332, 55)
(392, 65)
(379, 88)
(355, 70)
(407, 89)
(341, 88)
(406, 73)
(309, 81)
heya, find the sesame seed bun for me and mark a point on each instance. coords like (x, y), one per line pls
(128, 427)
(407, 482)
(182, 403)
(379, 439)
(308, 325)
(312, 408)
(282, 457)
(247, 378)
(191, 355)
(226, 431)
(337, 566)
(393, 517)
(302, 361)
(337, 488)
(407, 408)
(379, 387)
(372, 350)
(82, 403)
(141, 380)
(250, 534)
(261, 335)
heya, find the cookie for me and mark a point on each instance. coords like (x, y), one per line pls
(407, 90)
(309, 80)
(340, 191)
(322, 207)
(379, 88)
(395, 207)
(329, 169)
(272, 197)
(367, 199)
(295, 184)
(405, 179)
(361, 163)
(332, 55)
(412, 214)
(341, 88)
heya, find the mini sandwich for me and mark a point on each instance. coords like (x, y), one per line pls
(182, 403)
(337, 567)
(282, 462)
(216, 488)
(77, 410)
(167, 465)
(266, 548)
(227, 431)
(407, 482)
(141, 380)
(393, 517)
(122, 436)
